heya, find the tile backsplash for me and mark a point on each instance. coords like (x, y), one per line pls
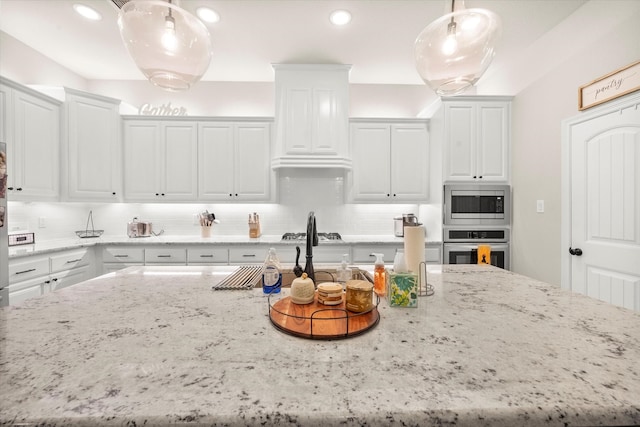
(300, 191)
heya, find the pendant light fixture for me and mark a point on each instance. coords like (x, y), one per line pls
(169, 45)
(455, 50)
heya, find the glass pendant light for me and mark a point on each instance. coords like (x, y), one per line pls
(169, 45)
(455, 50)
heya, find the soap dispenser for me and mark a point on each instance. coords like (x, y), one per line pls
(344, 273)
(379, 276)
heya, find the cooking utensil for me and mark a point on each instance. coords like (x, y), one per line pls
(297, 270)
(207, 219)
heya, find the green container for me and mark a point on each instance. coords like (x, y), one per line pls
(403, 290)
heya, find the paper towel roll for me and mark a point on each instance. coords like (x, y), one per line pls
(414, 247)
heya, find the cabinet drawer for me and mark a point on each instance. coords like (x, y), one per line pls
(69, 260)
(207, 256)
(323, 254)
(20, 270)
(123, 255)
(248, 255)
(363, 254)
(165, 256)
(69, 277)
(432, 255)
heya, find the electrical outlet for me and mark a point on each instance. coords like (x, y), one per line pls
(540, 206)
(42, 222)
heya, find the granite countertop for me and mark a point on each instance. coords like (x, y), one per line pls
(53, 245)
(157, 346)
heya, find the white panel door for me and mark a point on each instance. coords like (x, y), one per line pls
(370, 147)
(141, 160)
(605, 207)
(215, 161)
(493, 141)
(179, 171)
(409, 162)
(460, 154)
(253, 162)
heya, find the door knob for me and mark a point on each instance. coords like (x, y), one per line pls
(576, 251)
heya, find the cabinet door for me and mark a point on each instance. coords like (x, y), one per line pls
(179, 151)
(5, 113)
(409, 162)
(252, 167)
(68, 278)
(141, 160)
(493, 141)
(93, 133)
(36, 148)
(370, 148)
(460, 152)
(215, 161)
(22, 291)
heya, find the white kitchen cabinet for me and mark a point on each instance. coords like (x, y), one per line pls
(208, 255)
(252, 254)
(165, 255)
(331, 254)
(37, 275)
(31, 129)
(117, 257)
(93, 169)
(477, 139)
(234, 161)
(160, 160)
(363, 254)
(390, 161)
(312, 125)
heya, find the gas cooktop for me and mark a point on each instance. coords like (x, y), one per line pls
(303, 236)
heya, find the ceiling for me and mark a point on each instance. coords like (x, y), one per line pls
(253, 34)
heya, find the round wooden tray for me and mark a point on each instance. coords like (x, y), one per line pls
(319, 321)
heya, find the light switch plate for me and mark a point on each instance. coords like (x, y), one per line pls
(540, 206)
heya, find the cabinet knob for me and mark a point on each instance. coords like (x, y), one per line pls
(162, 194)
(394, 194)
(388, 195)
(10, 188)
(230, 195)
(480, 177)
(157, 194)
(19, 188)
(114, 193)
(474, 176)
(236, 194)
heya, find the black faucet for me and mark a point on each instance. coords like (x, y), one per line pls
(312, 240)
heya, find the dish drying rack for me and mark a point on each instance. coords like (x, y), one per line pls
(87, 233)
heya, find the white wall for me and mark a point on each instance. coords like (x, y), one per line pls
(538, 111)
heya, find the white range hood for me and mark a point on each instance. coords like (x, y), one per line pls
(312, 116)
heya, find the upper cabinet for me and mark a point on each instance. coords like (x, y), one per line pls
(234, 161)
(311, 123)
(31, 128)
(390, 160)
(477, 138)
(160, 160)
(92, 128)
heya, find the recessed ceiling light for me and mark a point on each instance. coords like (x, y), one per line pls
(207, 15)
(87, 12)
(340, 17)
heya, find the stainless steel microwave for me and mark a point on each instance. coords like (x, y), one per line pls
(477, 204)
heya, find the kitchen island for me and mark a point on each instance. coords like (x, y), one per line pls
(158, 346)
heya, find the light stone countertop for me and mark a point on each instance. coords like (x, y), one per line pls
(156, 346)
(53, 245)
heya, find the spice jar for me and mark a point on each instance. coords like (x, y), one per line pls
(359, 296)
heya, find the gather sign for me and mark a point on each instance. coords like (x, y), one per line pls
(161, 110)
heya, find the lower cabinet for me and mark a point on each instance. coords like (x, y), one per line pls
(37, 275)
(116, 258)
(208, 256)
(363, 254)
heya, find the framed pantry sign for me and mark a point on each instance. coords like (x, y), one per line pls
(613, 85)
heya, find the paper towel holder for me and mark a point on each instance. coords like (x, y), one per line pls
(427, 290)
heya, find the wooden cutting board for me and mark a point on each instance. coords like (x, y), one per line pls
(319, 321)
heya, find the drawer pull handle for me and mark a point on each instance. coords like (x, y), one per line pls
(26, 271)
(164, 256)
(74, 260)
(121, 256)
(249, 255)
(206, 256)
